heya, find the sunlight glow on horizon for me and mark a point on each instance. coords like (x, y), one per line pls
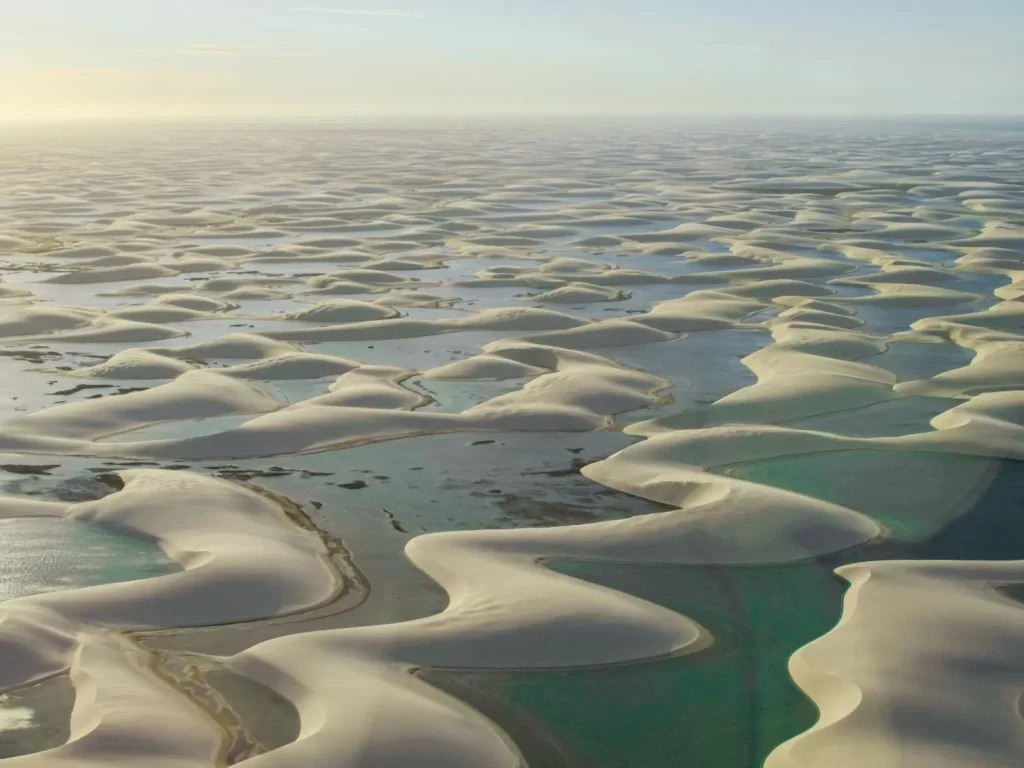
(279, 59)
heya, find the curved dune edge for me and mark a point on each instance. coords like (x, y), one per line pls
(225, 537)
(810, 335)
(791, 384)
(125, 715)
(989, 425)
(38, 323)
(194, 394)
(811, 369)
(359, 704)
(897, 680)
(494, 621)
(574, 391)
(506, 610)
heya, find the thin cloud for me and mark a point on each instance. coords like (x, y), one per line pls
(355, 12)
(219, 49)
(243, 49)
(736, 48)
(225, 46)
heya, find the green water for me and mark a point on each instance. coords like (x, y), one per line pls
(946, 486)
(730, 705)
(727, 706)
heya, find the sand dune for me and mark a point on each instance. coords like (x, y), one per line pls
(909, 645)
(734, 305)
(211, 528)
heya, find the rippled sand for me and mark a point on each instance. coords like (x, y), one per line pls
(533, 360)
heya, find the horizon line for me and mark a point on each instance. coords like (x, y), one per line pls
(261, 118)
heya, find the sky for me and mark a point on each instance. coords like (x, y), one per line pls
(315, 59)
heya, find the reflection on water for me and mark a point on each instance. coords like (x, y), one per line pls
(49, 554)
(36, 718)
(15, 718)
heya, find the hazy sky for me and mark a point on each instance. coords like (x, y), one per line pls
(323, 58)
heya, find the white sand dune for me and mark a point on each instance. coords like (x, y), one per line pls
(254, 293)
(293, 365)
(801, 296)
(499, 319)
(997, 366)
(195, 302)
(577, 293)
(899, 680)
(791, 384)
(160, 314)
(107, 329)
(225, 537)
(193, 395)
(231, 346)
(371, 387)
(113, 274)
(136, 364)
(912, 295)
(341, 311)
(37, 320)
(701, 311)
